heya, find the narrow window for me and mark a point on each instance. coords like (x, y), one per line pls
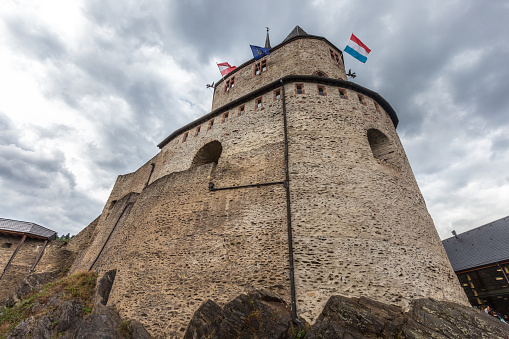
(229, 84)
(277, 94)
(225, 117)
(197, 131)
(242, 110)
(211, 124)
(258, 103)
(377, 107)
(184, 138)
(334, 56)
(321, 90)
(361, 100)
(342, 94)
(299, 88)
(259, 67)
(6, 245)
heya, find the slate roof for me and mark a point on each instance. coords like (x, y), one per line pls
(26, 227)
(297, 31)
(480, 246)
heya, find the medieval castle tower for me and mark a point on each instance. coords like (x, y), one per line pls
(295, 182)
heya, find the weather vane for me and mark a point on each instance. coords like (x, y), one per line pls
(350, 74)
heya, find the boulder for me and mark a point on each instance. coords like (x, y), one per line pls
(104, 286)
(260, 314)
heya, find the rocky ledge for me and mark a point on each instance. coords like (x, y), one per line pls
(75, 307)
(264, 315)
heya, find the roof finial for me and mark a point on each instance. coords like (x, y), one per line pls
(267, 40)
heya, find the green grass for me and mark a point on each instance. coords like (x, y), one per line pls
(81, 285)
(125, 328)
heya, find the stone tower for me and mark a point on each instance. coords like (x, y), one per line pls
(295, 182)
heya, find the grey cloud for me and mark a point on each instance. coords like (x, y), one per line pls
(413, 45)
(34, 39)
(32, 169)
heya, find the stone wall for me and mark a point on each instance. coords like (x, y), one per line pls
(180, 244)
(21, 263)
(303, 56)
(361, 227)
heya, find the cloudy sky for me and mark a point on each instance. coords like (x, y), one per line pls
(88, 88)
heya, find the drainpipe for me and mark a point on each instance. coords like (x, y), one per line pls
(289, 215)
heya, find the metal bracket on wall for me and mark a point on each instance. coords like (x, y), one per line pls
(212, 188)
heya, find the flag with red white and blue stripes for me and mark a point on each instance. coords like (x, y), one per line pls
(357, 49)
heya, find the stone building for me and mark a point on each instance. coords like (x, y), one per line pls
(22, 245)
(295, 182)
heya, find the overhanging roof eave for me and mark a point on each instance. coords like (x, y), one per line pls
(277, 83)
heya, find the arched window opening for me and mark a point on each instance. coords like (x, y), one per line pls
(208, 153)
(382, 147)
(320, 74)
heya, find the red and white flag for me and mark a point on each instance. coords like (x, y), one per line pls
(225, 68)
(357, 49)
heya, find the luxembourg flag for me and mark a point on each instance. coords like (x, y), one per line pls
(225, 68)
(357, 49)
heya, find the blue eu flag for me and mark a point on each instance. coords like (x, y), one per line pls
(259, 52)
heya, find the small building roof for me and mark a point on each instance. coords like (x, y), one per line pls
(28, 228)
(480, 246)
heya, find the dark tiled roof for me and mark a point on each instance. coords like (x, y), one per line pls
(26, 227)
(297, 31)
(480, 246)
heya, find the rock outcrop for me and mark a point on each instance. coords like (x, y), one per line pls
(63, 309)
(264, 315)
(260, 314)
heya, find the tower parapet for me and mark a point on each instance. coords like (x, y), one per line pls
(299, 54)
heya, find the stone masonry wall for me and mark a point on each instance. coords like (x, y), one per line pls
(193, 244)
(360, 223)
(361, 226)
(303, 56)
(21, 263)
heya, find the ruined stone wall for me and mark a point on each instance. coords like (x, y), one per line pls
(21, 263)
(131, 182)
(303, 56)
